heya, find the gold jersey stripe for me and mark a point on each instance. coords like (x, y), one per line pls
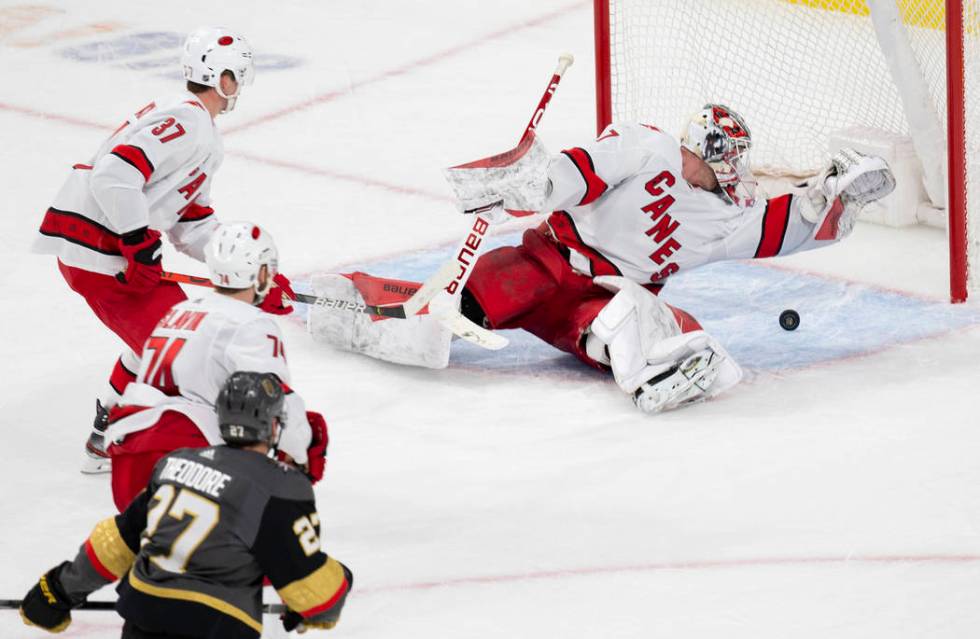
(110, 549)
(196, 597)
(315, 589)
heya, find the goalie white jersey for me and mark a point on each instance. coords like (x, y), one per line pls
(189, 356)
(622, 207)
(155, 170)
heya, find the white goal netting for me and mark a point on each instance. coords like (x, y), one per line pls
(798, 70)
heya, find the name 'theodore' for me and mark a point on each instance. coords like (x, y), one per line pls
(194, 475)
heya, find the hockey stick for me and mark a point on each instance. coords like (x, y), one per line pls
(400, 311)
(267, 609)
(474, 244)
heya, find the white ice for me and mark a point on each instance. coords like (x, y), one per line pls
(839, 499)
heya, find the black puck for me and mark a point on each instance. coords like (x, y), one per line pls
(789, 320)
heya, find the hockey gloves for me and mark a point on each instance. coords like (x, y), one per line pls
(317, 452)
(276, 301)
(142, 249)
(46, 605)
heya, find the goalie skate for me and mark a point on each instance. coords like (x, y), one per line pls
(683, 384)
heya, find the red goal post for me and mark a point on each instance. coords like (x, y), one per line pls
(904, 73)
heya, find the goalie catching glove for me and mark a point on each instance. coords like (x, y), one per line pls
(852, 181)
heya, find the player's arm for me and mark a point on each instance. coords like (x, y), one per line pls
(580, 175)
(194, 227)
(820, 213)
(164, 143)
(196, 221)
(287, 547)
(105, 556)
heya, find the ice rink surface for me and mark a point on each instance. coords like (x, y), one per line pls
(835, 493)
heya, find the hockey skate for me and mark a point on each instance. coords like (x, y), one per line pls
(96, 458)
(683, 384)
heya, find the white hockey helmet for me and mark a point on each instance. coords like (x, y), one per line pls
(237, 252)
(209, 52)
(719, 136)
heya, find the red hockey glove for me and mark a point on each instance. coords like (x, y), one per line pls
(277, 299)
(317, 452)
(142, 249)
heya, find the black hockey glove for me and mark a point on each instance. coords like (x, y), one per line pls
(46, 605)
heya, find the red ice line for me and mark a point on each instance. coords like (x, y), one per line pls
(329, 96)
(695, 565)
(672, 566)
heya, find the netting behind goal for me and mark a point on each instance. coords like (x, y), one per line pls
(798, 70)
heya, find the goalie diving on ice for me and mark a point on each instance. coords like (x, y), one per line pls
(625, 213)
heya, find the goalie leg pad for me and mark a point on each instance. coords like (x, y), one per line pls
(419, 340)
(652, 360)
(697, 368)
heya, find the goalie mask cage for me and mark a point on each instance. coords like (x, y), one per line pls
(798, 70)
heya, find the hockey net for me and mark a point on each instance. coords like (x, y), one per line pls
(801, 71)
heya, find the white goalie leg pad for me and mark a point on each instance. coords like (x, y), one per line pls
(420, 340)
(651, 360)
(693, 367)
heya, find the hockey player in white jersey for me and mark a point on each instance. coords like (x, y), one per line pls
(190, 354)
(152, 176)
(629, 210)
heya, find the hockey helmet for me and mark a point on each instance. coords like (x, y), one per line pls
(720, 137)
(209, 52)
(236, 253)
(249, 405)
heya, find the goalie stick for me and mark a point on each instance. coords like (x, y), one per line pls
(267, 609)
(460, 268)
(459, 325)
(410, 307)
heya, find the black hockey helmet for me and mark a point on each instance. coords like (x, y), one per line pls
(248, 406)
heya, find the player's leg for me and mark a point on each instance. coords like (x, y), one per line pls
(132, 318)
(660, 356)
(513, 281)
(133, 459)
(123, 373)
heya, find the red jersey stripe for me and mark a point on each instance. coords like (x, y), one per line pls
(135, 157)
(828, 230)
(774, 224)
(194, 213)
(121, 377)
(96, 564)
(329, 603)
(78, 229)
(563, 227)
(594, 185)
